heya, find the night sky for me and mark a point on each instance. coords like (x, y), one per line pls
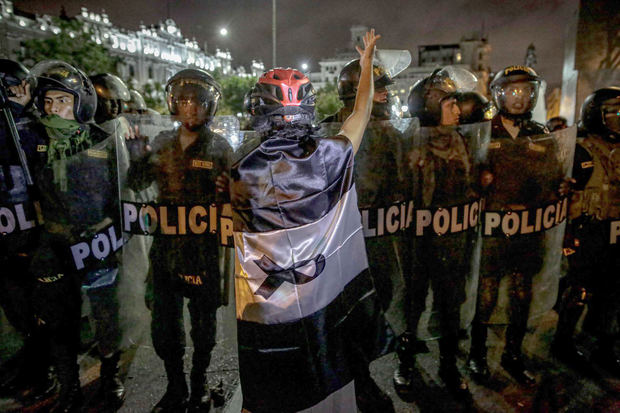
(309, 30)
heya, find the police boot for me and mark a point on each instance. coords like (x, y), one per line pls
(512, 359)
(563, 346)
(403, 376)
(477, 361)
(200, 397)
(605, 356)
(175, 398)
(70, 397)
(112, 388)
(448, 372)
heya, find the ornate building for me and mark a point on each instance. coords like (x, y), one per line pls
(150, 54)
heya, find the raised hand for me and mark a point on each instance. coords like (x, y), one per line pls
(370, 40)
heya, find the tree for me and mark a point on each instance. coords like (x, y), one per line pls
(154, 97)
(234, 89)
(327, 101)
(73, 45)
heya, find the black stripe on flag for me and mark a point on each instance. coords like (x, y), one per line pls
(293, 366)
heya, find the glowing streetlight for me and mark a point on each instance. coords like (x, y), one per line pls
(304, 66)
(224, 31)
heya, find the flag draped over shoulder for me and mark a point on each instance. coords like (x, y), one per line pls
(306, 306)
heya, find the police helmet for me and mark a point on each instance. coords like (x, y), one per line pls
(501, 86)
(425, 97)
(136, 102)
(12, 72)
(285, 93)
(474, 107)
(58, 75)
(196, 81)
(600, 112)
(109, 86)
(349, 78)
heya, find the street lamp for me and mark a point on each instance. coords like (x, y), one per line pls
(304, 67)
(224, 32)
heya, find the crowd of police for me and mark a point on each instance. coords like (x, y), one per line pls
(60, 153)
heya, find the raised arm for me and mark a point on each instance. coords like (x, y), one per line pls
(355, 125)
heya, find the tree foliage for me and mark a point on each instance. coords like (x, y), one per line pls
(327, 102)
(234, 89)
(73, 45)
(154, 97)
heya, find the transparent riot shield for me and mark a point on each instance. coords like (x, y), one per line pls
(382, 198)
(523, 225)
(176, 219)
(442, 251)
(420, 201)
(63, 239)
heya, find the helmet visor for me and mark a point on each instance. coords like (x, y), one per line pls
(611, 115)
(516, 98)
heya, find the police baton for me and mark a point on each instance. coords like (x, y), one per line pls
(4, 105)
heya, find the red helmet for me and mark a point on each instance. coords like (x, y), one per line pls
(283, 92)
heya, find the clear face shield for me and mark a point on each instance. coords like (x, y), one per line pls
(517, 98)
(192, 102)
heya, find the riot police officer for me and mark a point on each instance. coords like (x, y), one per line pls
(19, 241)
(78, 192)
(510, 185)
(347, 90)
(189, 165)
(441, 171)
(592, 237)
(135, 104)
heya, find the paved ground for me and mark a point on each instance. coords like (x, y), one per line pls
(558, 388)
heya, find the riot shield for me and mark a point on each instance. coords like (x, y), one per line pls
(442, 252)
(64, 240)
(523, 224)
(178, 227)
(419, 201)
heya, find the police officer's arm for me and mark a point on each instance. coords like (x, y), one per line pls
(353, 128)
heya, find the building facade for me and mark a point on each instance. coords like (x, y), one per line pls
(147, 55)
(472, 53)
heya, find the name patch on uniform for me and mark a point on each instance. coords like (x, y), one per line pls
(587, 164)
(50, 279)
(526, 221)
(536, 148)
(403, 216)
(41, 148)
(95, 153)
(184, 220)
(495, 145)
(191, 279)
(199, 163)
